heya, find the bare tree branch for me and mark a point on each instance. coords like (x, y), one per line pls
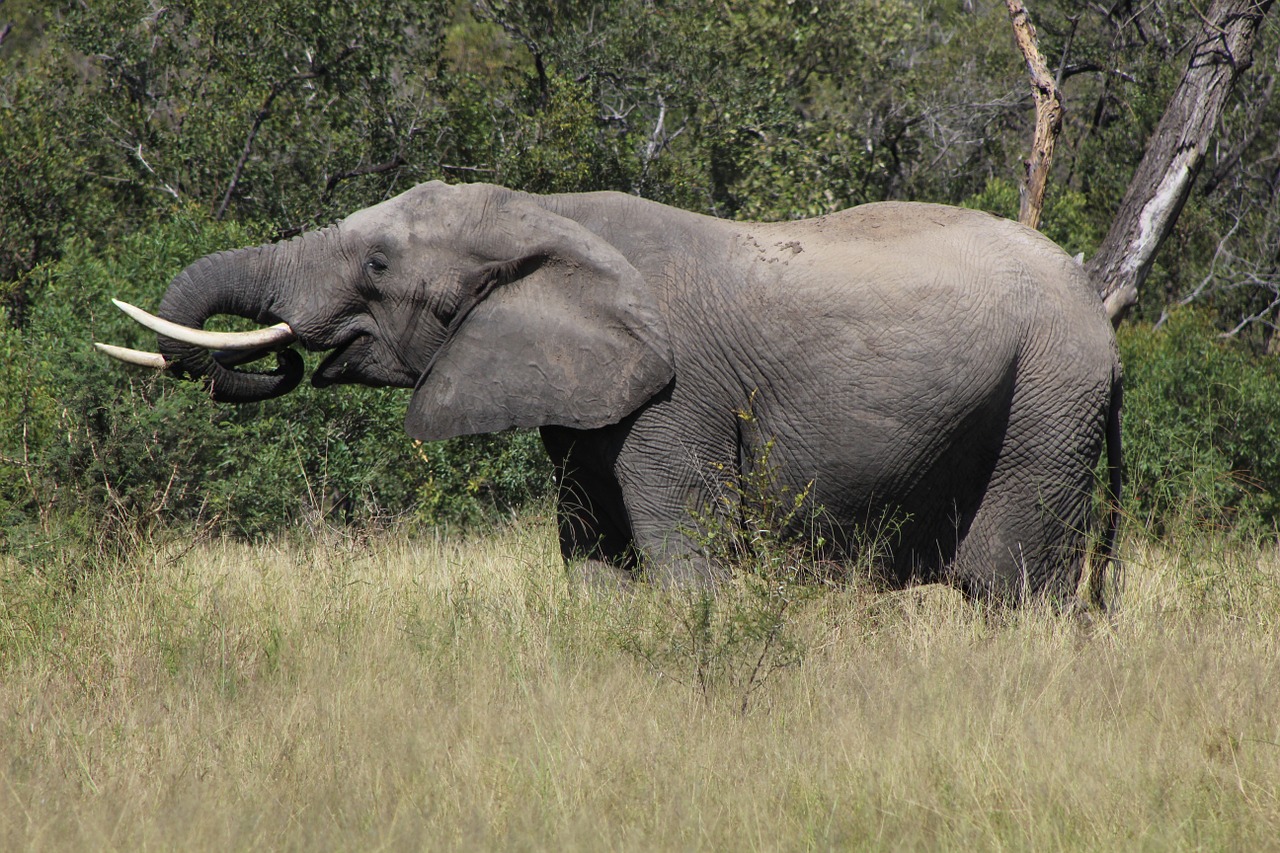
(1044, 88)
(396, 161)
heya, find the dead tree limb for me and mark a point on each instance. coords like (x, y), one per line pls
(264, 112)
(397, 160)
(1176, 150)
(1044, 88)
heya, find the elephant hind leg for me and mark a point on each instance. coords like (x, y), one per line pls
(1028, 537)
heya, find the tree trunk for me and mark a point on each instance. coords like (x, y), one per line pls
(1222, 50)
(1044, 88)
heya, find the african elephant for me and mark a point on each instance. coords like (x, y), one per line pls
(938, 365)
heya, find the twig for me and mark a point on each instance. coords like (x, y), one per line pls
(394, 163)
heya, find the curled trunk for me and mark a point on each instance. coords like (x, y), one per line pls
(233, 283)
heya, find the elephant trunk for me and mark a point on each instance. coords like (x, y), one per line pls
(237, 283)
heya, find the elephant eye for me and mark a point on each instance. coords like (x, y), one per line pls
(375, 264)
(447, 310)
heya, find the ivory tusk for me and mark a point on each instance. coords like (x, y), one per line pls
(275, 335)
(133, 356)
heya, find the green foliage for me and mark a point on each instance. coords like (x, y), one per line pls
(310, 90)
(104, 454)
(1065, 218)
(999, 197)
(266, 112)
(469, 480)
(47, 189)
(1202, 429)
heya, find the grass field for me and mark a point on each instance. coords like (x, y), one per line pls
(356, 694)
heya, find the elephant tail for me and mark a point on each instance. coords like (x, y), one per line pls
(1108, 559)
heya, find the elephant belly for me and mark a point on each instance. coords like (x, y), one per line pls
(897, 479)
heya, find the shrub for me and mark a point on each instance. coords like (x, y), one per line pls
(92, 449)
(1201, 429)
(730, 638)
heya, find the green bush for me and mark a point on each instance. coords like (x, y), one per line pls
(92, 449)
(284, 111)
(1064, 220)
(1201, 429)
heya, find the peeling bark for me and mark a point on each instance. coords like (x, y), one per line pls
(1044, 88)
(1176, 150)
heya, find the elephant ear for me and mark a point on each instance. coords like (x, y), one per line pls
(570, 335)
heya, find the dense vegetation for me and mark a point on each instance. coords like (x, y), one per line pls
(136, 136)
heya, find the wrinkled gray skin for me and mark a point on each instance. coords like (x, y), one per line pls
(940, 368)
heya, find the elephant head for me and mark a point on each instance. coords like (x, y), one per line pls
(497, 311)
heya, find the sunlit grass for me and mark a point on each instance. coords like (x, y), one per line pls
(358, 694)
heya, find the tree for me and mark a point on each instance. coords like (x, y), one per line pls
(1048, 116)
(127, 109)
(1176, 151)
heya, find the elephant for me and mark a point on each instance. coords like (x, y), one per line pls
(940, 366)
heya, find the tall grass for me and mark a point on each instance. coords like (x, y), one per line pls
(345, 693)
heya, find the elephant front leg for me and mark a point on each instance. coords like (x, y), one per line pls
(625, 507)
(673, 526)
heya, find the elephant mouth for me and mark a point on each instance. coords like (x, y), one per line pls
(343, 364)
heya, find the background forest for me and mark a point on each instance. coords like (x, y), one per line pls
(137, 135)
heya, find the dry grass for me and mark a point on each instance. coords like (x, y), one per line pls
(444, 695)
